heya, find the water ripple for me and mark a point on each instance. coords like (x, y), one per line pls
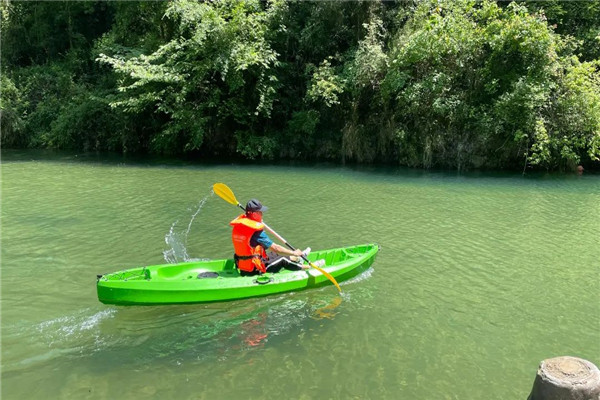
(476, 273)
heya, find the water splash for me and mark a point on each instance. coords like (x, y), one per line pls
(200, 205)
(177, 250)
(177, 240)
(359, 278)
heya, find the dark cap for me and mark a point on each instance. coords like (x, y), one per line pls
(255, 205)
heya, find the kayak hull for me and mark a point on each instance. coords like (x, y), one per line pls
(219, 280)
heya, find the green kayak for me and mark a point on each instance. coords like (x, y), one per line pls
(219, 280)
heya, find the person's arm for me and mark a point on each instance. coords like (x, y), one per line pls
(284, 251)
(267, 244)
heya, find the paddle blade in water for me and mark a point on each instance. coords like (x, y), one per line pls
(223, 191)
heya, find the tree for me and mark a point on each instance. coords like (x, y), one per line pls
(217, 72)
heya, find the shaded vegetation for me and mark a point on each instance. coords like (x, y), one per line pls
(452, 84)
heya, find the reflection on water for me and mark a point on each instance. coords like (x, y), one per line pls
(137, 335)
(279, 320)
(328, 311)
(254, 331)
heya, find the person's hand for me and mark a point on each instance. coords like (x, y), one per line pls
(298, 253)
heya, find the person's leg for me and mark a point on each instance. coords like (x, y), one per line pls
(275, 263)
(246, 273)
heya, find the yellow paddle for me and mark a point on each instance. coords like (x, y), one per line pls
(223, 191)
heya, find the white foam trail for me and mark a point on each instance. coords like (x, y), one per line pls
(346, 296)
(68, 325)
(358, 278)
(68, 334)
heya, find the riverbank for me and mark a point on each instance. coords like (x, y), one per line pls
(51, 155)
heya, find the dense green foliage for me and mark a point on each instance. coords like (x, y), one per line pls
(459, 84)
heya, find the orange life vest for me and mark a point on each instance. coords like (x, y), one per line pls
(247, 258)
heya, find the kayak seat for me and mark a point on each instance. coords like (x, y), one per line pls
(207, 274)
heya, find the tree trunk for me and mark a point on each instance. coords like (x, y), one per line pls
(566, 378)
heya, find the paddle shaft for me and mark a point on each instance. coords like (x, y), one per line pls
(277, 235)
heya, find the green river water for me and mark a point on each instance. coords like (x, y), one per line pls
(479, 278)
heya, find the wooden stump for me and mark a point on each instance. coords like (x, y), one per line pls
(566, 378)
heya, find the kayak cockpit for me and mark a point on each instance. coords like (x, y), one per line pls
(176, 272)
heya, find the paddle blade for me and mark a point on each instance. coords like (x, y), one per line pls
(327, 275)
(223, 191)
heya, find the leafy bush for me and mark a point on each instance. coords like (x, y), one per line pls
(12, 134)
(434, 83)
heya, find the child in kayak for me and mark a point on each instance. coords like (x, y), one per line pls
(250, 243)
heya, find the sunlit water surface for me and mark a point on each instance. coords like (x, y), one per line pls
(479, 278)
